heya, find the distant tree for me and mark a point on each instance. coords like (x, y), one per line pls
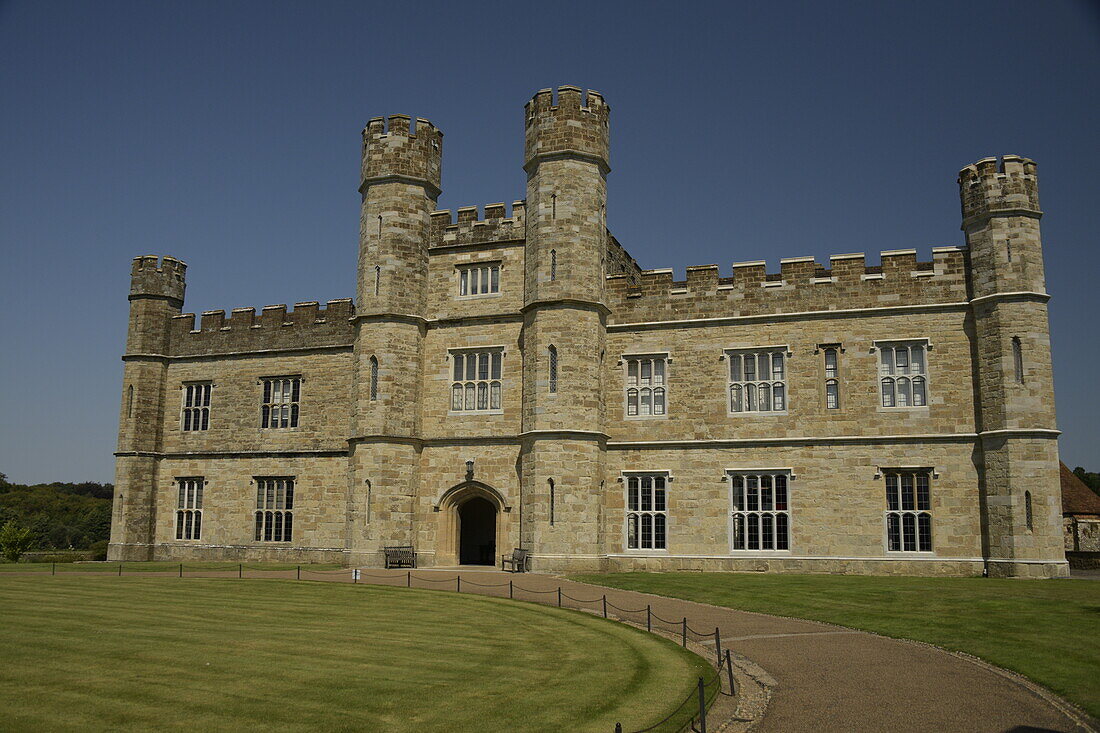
(1088, 478)
(59, 515)
(14, 541)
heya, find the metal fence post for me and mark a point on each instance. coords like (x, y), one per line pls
(53, 569)
(648, 622)
(605, 605)
(240, 570)
(355, 575)
(181, 570)
(729, 673)
(299, 572)
(409, 579)
(120, 570)
(685, 631)
(718, 645)
(509, 589)
(458, 584)
(618, 728)
(559, 596)
(702, 707)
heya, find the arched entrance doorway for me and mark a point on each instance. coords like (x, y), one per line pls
(477, 532)
(473, 525)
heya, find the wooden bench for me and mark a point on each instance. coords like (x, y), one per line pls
(520, 560)
(403, 556)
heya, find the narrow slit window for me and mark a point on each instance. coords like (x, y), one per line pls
(373, 378)
(552, 499)
(552, 377)
(1018, 359)
(553, 264)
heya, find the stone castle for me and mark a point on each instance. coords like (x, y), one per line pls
(513, 379)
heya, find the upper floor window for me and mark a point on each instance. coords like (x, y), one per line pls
(760, 515)
(832, 379)
(647, 512)
(646, 385)
(908, 511)
(196, 406)
(280, 406)
(903, 372)
(274, 509)
(476, 380)
(758, 380)
(482, 279)
(189, 509)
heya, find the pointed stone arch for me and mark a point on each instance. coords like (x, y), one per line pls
(450, 509)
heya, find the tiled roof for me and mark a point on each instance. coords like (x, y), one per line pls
(1076, 497)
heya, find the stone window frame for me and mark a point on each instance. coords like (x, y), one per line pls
(462, 275)
(189, 508)
(195, 404)
(831, 377)
(274, 511)
(924, 541)
(727, 356)
(294, 409)
(625, 478)
(489, 382)
(666, 379)
(730, 475)
(882, 376)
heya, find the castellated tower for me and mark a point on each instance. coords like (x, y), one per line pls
(156, 294)
(400, 186)
(566, 159)
(1020, 489)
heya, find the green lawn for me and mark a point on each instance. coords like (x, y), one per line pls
(1048, 630)
(148, 653)
(128, 568)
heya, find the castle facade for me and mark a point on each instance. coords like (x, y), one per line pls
(513, 379)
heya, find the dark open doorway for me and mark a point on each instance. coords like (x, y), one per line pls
(477, 532)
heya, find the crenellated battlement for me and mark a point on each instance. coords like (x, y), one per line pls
(468, 228)
(394, 149)
(990, 186)
(151, 277)
(306, 326)
(801, 285)
(576, 125)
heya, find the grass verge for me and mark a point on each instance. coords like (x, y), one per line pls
(149, 653)
(1046, 630)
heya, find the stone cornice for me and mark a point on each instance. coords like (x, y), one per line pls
(233, 454)
(999, 213)
(1014, 295)
(564, 434)
(805, 440)
(797, 315)
(390, 317)
(566, 303)
(432, 189)
(567, 154)
(440, 249)
(232, 354)
(1020, 433)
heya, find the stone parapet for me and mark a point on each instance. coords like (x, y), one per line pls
(306, 326)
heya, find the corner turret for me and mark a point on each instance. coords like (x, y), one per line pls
(152, 279)
(988, 189)
(394, 152)
(574, 127)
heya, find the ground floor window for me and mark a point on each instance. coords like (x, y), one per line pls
(761, 514)
(908, 511)
(274, 509)
(647, 512)
(189, 509)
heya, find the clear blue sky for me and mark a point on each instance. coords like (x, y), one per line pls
(227, 134)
